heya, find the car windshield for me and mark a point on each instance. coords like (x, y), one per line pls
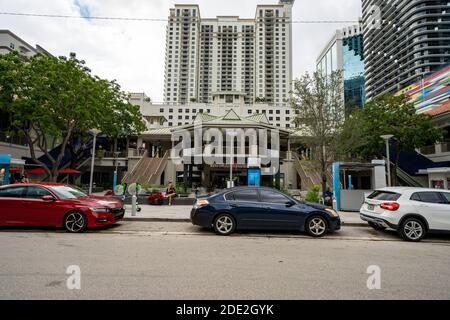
(66, 192)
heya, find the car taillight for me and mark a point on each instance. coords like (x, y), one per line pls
(201, 203)
(391, 206)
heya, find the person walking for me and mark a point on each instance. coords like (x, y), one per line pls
(170, 193)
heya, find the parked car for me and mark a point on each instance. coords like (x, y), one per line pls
(156, 198)
(413, 212)
(252, 208)
(56, 205)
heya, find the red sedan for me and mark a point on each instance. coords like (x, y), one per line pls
(56, 205)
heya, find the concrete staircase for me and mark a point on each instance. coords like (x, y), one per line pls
(309, 173)
(147, 170)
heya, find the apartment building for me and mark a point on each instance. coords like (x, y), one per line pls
(229, 58)
(9, 42)
(404, 42)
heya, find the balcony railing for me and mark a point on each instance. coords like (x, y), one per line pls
(428, 150)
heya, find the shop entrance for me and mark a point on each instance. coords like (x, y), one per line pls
(220, 177)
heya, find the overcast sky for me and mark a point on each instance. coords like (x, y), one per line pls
(133, 52)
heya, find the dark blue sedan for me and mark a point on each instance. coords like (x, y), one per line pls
(251, 208)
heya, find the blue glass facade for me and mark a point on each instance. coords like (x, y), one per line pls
(353, 65)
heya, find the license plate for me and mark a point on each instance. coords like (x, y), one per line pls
(370, 207)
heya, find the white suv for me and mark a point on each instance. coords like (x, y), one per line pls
(413, 212)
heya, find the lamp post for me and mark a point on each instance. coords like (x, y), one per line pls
(386, 138)
(94, 133)
(116, 157)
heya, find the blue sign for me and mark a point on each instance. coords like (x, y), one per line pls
(5, 163)
(254, 177)
(337, 184)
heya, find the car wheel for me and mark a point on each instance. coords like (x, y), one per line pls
(376, 226)
(317, 226)
(412, 229)
(75, 222)
(224, 224)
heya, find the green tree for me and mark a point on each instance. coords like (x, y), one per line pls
(54, 98)
(383, 115)
(320, 114)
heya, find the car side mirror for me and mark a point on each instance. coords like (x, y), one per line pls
(48, 198)
(290, 204)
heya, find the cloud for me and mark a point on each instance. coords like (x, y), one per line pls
(133, 53)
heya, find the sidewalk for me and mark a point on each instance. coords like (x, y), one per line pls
(182, 214)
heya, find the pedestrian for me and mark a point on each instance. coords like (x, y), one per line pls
(170, 193)
(25, 179)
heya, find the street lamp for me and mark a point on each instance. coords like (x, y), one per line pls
(94, 133)
(116, 157)
(386, 138)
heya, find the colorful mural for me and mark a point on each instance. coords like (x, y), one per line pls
(432, 95)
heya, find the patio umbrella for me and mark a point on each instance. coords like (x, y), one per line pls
(36, 171)
(69, 171)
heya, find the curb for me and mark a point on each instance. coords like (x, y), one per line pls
(155, 220)
(349, 224)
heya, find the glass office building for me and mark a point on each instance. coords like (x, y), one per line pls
(353, 68)
(345, 52)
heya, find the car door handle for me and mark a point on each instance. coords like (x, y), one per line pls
(233, 205)
(268, 208)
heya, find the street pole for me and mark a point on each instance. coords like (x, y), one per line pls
(94, 132)
(231, 168)
(116, 156)
(388, 156)
(232, 135)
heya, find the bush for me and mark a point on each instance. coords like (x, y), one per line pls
(313, 194)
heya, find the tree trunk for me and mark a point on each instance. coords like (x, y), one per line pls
(324, 172)
(31, 144)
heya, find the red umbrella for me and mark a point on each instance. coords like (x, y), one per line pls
(69, 171)
(36, 171)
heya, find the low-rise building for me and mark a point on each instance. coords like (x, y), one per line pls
(13, 145)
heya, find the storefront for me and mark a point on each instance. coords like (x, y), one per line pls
(439, 178)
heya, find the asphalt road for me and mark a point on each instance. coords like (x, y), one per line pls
(164, 261)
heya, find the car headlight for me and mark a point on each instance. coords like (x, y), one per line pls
(93, 209)
(332, 213)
